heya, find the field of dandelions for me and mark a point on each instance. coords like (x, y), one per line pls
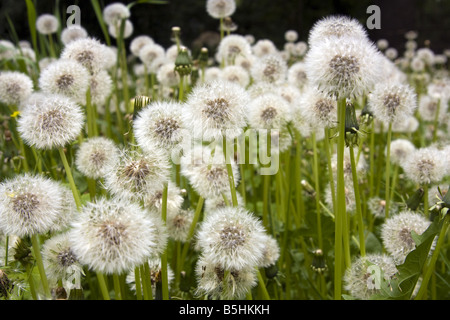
(319, 170)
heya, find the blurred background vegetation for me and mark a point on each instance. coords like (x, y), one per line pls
(264, 19)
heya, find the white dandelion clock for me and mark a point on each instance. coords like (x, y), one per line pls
(101, 87)
(232, 238)
(52, 123)
(167, 76)
(271, 252)
(429, 108)
(92, 54)
(212, 74)
(15, 87)
(159, 124)
(336, 27)
(174, 199)
(179, 223)
(269, 111)
(296, 74)
(359, 278)
(65, 77)
(392, 101)
(135, 175)
(343, 67)
(264, 47)
(114, 29)
(270, 68)
(150, 53)
(139, 42)
(32, 204)
(112, 236)
(47, 24)
(215, 110)
(115, 12)
(291, 35)
(155, 276)
(96, 156)
(396, 233)
(401, 149)
(318, 109)
(231, 47)
(426, 165)
(72, 33)
(60, 262)
(219, 201)
(236, 74)
(207, 171)
(219, 9)
(211, 282)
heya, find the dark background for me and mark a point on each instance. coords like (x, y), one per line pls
(264, 19)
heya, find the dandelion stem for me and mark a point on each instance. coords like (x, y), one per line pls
(103, 287)
(359, 216)
(137, 281)
(40, 264)
(117, 290)
(388, 169)
(330, 170)
(341, 210)
(227, 154)
(262, 285)
(181, 89)
(436, 120)
(164, 276)
(68, 170)
(317, 189)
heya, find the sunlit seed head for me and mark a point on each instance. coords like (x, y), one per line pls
(89, 52)
(213, 203)
(136, 175)
(72, 33)
(51, 122)
(343, 67)
(60, 262)
(179, 223)
(220, 8)
(232, 237)
(160, 124)
(115, 12)
(151, 52)
(269, 111)
(47, 24)
(401, 149)
(318, 109)
(31, 204)
(336, 26)
(216, 109)
(391, 101)
(211, 282)
(101, 87)
(66, 77)
(359, 279)
(270, 68)
(396, 233)
(139, 42)
(231, 47)
(113, 235)
(236, 74)
(264, 47)
(167, 75)
(426, 165)
(95, 156)
(155, 276)
(377, 207)
(296, 74)
(15, 87)
(291, 35)
(114, 29)
(271, 252)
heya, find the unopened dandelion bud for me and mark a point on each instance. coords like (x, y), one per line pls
(175, 37)
(6, 285)
(138, 103)
(271, 271)
(414, 201)
(203, 57)
(318, 263)
(351, 126)
(308, 188)
(183, 62)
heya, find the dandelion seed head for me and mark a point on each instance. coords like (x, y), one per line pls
(95, 156)
(114, 29)
(271, 252)
(101, 86)
(155, 276)
(392, 101)
(291, 35)
(15, 87)
(139, 42)
(32, 204)
(269, 111)
(113, 235)
(401, 149)
(47, 24)
(236, 74)
(65, 77)
(52, 122)
(92, 54)
(396, 233)
(115, 12)
(426, 165)
(270, 68)
(264, 47)
(318, 109)
(72, 33)
(232, 237)
(167, 75)
(231, 47)
(220, 8)
(359, 278)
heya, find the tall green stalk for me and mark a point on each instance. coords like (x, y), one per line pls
(228, 159)
(40, 264)
(164, 273)
(72, 184)
(388, 170)
(340, 202)
(317, 189)
(362, 242)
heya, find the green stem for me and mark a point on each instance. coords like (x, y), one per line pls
(388, 170)
(181, 89)
(117, 290)
(425, 200)
(317, 188)
(228, 159)
(436, 120)
(164, 274)
(40, 264)
(362, 243)
(103, 287)
(298, 178)
(137, 281)
(330, 169)
(262, 285)
(430, 267)
(68, 170)
(341, 206)
(148, 281)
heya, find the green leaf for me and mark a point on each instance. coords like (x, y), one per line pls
(99, 14)
(32, 24)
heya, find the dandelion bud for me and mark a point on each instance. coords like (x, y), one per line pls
(351, 126)
(413, 202)
(6, 285)
(183, 63)
(318, 263)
